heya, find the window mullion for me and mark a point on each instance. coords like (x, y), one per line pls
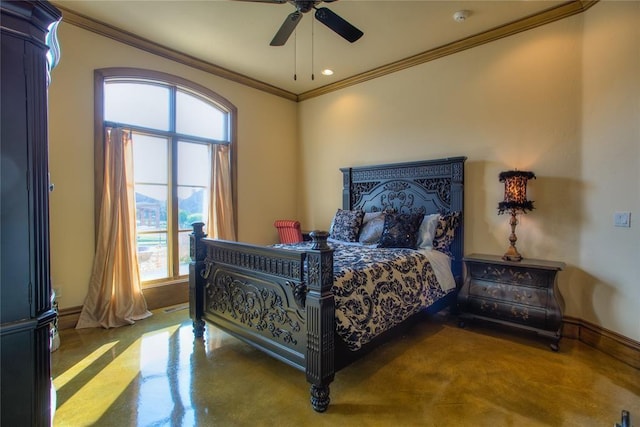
(175, 267)
(173, 173)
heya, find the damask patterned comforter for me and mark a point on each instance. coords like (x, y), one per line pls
(377, 288)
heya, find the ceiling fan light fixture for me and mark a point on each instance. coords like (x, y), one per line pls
(327, 72)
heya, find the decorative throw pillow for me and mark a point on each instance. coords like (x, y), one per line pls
(400, 230)
(428, 230)
(445, 232)
(346, 225)
(368, 216)
(371, 229)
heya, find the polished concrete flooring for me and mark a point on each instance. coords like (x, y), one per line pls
(154, 374)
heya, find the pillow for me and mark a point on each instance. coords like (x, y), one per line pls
(400, 230)
(368, 216)
(371, 229)
(445, 232)
(346, 225)
(428, 230)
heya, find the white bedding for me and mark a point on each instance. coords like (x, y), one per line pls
(441, 265)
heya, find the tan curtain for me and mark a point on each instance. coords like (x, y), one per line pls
(220, 224)
(115, 297)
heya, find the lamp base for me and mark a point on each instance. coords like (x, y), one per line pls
(512, 255)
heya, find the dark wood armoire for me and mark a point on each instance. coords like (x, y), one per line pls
(25, 288)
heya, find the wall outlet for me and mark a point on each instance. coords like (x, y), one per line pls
(622, 219)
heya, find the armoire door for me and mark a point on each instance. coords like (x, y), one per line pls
(25, 288)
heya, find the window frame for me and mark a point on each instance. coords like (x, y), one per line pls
(194, 89)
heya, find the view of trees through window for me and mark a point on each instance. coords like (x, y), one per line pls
(173, 131)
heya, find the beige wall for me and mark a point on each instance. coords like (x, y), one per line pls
(267, 145)
(607, 286)
(537, 101)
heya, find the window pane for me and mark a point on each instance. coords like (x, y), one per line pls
(137, 104)
(183, 249)
(152, 256)
(193, 164)
(198, 118)
(150, 159)
(151, 207)
(193, 183)
(192, 206)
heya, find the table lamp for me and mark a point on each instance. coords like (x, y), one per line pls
(515, 201)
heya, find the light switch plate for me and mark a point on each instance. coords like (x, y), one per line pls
(622, 219)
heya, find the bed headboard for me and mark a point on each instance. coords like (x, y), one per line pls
(426, 187)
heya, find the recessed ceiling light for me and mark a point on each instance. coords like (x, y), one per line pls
(327, 72)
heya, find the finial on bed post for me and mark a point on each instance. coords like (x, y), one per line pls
(319, 239)
(320, 320)
(198, 253)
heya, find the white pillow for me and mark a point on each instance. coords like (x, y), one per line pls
(427, 231)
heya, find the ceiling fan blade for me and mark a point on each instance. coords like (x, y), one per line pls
(337, 24)
(286, 29)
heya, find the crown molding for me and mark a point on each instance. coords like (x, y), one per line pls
(570, 8)
(141, 43)
(557, 13)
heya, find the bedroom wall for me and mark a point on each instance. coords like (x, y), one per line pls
(560, 100)
(267, 153)
(608, 281)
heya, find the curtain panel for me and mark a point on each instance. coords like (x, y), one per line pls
(115, 296)
(220, 224)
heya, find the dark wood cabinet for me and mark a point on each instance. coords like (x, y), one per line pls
(25, 289)
(522, 294)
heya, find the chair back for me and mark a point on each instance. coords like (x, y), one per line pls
(288, 230)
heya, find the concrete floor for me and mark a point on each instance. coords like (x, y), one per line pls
(153, 373)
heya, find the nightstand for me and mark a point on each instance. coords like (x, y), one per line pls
(522, 294)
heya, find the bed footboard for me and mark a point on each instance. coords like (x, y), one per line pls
(197, 252)
(321, 318)
(278, 301)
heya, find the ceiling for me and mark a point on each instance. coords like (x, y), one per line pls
(233, 36)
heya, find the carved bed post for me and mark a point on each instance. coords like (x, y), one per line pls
(198, 252)
(320, 304)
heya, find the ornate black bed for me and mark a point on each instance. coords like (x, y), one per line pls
(281, 301)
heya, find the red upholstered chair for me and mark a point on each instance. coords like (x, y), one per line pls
(288, 230)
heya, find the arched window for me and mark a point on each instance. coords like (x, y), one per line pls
(178, 131)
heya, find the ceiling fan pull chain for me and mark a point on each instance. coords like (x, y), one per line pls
(312, 50)
(295, 55)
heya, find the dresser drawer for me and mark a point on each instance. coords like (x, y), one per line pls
(517, 313)
(509, 293)
(511, 274)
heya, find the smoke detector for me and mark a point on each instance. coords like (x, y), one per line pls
(461, 15)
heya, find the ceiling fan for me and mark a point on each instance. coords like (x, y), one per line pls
(323, 14)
